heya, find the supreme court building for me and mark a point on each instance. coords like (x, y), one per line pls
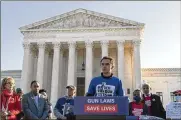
(67, 49)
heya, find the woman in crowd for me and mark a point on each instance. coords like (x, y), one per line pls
(9, 100)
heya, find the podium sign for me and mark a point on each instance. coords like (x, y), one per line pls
(173, 110)
(101, 106)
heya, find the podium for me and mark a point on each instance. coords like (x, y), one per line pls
(101, 108)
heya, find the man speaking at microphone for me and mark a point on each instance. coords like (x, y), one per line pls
(106, 84)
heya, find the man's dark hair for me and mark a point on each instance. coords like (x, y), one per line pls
(34, 81)
(42, 90)
(19, 90)
(106, 57)
(137, 90)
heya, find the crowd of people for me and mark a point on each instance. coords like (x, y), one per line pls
(36, 105)
(33, 105)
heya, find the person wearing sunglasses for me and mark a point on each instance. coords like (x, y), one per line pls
(155, 106)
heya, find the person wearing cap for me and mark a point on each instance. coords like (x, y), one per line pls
(177, 95)
(19, 93)
(64, 106)
(106, 84)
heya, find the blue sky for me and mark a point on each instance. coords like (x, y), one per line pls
(160, 48)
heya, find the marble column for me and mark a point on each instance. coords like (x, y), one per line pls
(35, 59)
(71, 63)
(35, 67)
(104, 47)
(55, 72)
(25, 69)
(50, 65)
(120, 51)
(45, 76)
(61, 70)
(30, 70)
(89, 67)
(137, 65)
(40, 67)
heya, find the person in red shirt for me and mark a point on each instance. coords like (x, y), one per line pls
(137, 106)
(9, 100)
(19, 92)
(155, 106)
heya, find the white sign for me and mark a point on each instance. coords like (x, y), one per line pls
(173, 110)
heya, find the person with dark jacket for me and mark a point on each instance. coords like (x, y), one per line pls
(137, 106)
(34, 105)
(155, 107)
